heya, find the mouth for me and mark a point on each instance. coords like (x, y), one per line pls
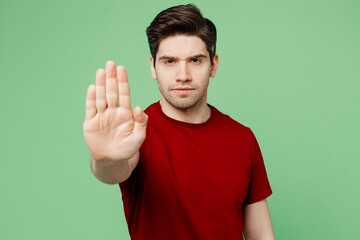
(182, 90)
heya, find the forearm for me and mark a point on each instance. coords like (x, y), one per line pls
(269, 237)
(112, 172)
(257, 221)
(266, 233)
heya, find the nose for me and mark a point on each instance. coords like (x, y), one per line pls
(183, 73)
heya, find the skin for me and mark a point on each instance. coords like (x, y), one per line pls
(114, 132)
(182, 71)
(257, 221)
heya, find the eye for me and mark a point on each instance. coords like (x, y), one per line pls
(195, 60)
(168, 61)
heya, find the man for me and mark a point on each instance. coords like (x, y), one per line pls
(186, 171)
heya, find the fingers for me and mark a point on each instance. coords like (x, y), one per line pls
(140, 116)
(100, 91)
(123, 86)
(140, 123)
(111, 85)
(90, 102)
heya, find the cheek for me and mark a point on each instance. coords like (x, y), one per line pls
(164, 80)
(201, 71)
(165, 75)
(201, 77)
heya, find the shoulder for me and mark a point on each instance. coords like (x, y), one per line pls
(154, 113)
(151, 108)
(227, 122)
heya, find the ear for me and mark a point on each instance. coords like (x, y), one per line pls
(214, 66)
(153, 72)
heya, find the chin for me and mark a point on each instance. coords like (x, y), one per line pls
(184, 104)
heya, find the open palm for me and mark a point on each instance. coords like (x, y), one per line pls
(112, 130)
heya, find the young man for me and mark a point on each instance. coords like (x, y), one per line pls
(186, 171)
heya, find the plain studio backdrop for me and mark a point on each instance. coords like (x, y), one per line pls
(288, 69)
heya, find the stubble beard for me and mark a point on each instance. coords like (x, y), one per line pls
(186, 101)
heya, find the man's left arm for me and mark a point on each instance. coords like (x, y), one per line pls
(257, 221)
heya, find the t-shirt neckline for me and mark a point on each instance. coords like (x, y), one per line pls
(186, 124)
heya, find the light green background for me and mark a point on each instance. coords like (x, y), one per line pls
(288, 69)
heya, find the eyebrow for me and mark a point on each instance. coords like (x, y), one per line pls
(191, 57)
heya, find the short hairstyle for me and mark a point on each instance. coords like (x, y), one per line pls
(182, 19)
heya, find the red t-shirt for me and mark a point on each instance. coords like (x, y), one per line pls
(192, 180)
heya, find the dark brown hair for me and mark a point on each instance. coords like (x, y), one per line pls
(182, 19)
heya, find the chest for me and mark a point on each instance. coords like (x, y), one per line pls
(197, 166)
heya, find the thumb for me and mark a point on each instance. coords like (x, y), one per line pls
(140, 122)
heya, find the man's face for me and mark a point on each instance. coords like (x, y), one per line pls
(182, 70)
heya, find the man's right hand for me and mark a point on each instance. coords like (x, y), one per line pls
(112, 131)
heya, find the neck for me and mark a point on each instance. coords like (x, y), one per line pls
(198, 114)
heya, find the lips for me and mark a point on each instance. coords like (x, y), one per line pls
(183, 90)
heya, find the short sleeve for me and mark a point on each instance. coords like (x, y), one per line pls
(259, 186)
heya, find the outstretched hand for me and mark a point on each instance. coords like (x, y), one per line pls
(112, 130)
